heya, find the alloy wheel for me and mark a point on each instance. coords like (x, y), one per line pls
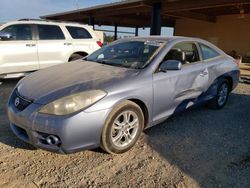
(125, 128)
(223, 94)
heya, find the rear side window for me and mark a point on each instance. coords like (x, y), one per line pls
(185, 52)
(207, 52)
(50, 32)
(78, 33)
(19, 32)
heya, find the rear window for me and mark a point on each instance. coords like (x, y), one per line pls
(207, 52)
(50, 32)
(78, 33)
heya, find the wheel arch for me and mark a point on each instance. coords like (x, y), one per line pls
(81, 53)
(230, 81)
(144, 109)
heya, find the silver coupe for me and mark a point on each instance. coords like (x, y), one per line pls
(109, 97)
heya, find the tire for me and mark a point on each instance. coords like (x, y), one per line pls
(118, 136)
(221, 98)
(75, 57)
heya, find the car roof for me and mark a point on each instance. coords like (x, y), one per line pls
(172, 39)
(163, 38)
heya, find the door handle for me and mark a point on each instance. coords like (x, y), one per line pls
(30, 45)
(67, 43)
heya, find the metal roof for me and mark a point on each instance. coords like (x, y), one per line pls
(137, 13)
(94, 8)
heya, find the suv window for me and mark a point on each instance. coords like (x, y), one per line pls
(19, 32)
(207, 52)
(184, 52)
(78, 33)
(50, 32)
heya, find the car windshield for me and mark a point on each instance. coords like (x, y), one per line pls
(129, 54)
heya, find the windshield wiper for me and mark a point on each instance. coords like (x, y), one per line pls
(114, 64)
(102, 62)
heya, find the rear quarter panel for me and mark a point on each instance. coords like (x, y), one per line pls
(223, 67)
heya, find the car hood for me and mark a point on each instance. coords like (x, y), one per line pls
(55, 82)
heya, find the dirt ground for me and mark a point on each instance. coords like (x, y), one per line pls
(198, 148)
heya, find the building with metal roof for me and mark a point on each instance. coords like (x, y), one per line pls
(224, 22)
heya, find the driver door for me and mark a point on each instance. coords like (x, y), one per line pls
(18, 54)
(178, 90)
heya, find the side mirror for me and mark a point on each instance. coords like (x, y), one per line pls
(170, 65)
(5, 36)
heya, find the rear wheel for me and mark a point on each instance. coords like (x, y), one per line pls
(122, 128)
(222, 96)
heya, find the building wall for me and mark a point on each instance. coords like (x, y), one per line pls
(229, 32)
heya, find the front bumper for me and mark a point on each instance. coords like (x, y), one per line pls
(76, 132)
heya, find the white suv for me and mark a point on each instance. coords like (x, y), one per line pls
(28, 45)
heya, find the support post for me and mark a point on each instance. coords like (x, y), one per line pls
(156, 19)
(174, 28)
(115, 36)
(136, 31)
(92, 21)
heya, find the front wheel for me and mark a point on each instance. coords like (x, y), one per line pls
(122, 128)
(221, 97)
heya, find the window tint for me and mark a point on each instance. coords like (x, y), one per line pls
(207, 52)
(184, 52)
(19, 32)
(50, 32)
(78, 33)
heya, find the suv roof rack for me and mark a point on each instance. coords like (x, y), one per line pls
(46, 20)
(31, 19)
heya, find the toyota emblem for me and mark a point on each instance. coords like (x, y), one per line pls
(17, 101)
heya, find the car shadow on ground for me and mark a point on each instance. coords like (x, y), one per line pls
(6, 136)
(208, 145)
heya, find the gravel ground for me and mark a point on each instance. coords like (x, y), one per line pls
(198, 148)
(245, 72)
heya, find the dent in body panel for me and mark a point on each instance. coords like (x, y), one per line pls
(176, 91)
(209, 94)
(173, 87)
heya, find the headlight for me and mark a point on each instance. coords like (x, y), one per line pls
(73, 103)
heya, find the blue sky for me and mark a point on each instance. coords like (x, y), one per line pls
(17, 9)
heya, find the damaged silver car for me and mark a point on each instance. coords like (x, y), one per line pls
(108, 98)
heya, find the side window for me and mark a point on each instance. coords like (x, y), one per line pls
(19, 32)
(184, 52)
(50, 32)
(207, 52)
(78, 33)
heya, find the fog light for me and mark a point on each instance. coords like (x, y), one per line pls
(53, 140)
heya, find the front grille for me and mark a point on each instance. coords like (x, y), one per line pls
(19, 101)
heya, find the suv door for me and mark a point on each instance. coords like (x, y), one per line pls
(53, 47)
(18, 54)
(177, 90)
